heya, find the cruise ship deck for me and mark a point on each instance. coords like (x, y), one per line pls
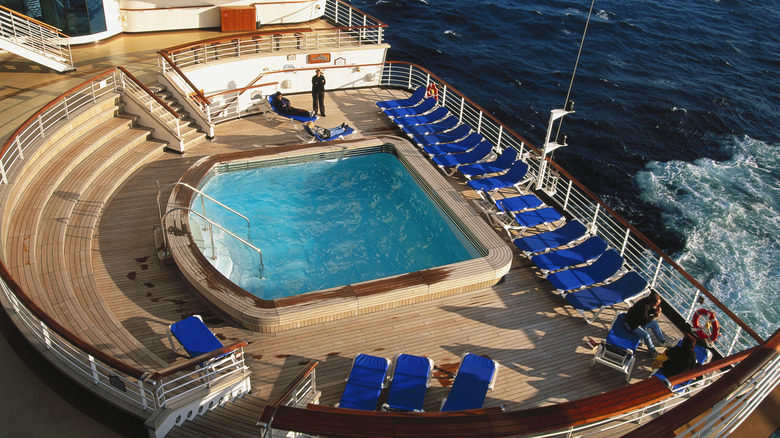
(539, 342)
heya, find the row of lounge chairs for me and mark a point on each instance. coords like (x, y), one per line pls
(409, 376)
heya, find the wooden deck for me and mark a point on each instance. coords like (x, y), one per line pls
(539, 342)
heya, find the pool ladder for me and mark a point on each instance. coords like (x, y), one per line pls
(210, 223)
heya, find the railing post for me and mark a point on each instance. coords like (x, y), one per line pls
(46, 335)
(625, 242)
(595, 217)
(2, 173)
(479, 122)
(657, 270)
(409, 80)
(734, 340)
(40, 126)
(568, 193)
(18, 149)
(93, 367)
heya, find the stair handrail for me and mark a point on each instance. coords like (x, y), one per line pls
(211, 232)
(32, 23)
(202, 204)
(139, 91)
(201, 99)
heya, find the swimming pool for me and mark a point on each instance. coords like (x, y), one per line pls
(323, 224)
(483, 269)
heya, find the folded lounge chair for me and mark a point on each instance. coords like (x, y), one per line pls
(431, 128)
(604, 268)
(460, 132)
(309, 136)
(409, 378)
(568, 233)
(514, 177)
(500, 164)
(617, 350)
(475, 376)
(431, 117)
(625, 289)
(479, 152)
(419, 109)
(454, 147)
(365, 382)
(412, 100)
(584, 252)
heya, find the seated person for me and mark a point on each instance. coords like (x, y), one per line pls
(640, 320)
(282, 106)
(325, 134)
(680, 357)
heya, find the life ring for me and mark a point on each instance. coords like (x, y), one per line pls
(432, 90)
(705, 325)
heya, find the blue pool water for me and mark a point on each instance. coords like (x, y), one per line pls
(328, 223)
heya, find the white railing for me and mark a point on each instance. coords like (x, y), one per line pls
(354, 29)
(34, 35)
(679, 289)
(125, 385)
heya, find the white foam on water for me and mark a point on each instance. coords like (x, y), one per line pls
(729, 213)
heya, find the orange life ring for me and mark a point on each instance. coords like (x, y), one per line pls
(705, 325)
(432, 90)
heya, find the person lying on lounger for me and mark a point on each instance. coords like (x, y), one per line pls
(282, 106)
(319, 131)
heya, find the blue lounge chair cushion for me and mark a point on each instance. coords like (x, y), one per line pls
(703, 356)
(619, 337)
(586, 251)
(514, 176)
(347, 132)
(410, 379)
(519, 203)
(421, 108)
(500, 164)
(195, 337)
(298, 118)
(471, 384)
(433, 116)
(605, 267)
(432, 128)
(626, 287)
(479, 152)
(540, 216)
(454, 147)
(364, 383)
(460, 132)
(566, 234)
(414, 99)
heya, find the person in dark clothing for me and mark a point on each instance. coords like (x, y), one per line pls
(325, 134)
(680, 357)
(640, 320)
(318, 92)
(282, 106)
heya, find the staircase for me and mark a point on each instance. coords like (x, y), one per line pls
(33, 40)
(189, 132)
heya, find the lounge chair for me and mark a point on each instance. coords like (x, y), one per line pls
(568, 233)
(431, 117)
(412, 100)
(431, 128)
(605, 267)
(193, 336)
(419, 109)
(454, 147)
(516, 176)
(460, 132)
(481, 151)
(519, 203)
(309, 136)
(409, 378)
(293, 119)
(500, 164)
(584, 252)
(703, 357)
(627, 289)
(475, 376)
(365, 382)
(523, 220)
(617, 350)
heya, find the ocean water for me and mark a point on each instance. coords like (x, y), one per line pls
(677, 110)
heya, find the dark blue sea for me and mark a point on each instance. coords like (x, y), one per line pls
(677, 112)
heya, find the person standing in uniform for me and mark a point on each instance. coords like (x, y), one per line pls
(318, 92)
